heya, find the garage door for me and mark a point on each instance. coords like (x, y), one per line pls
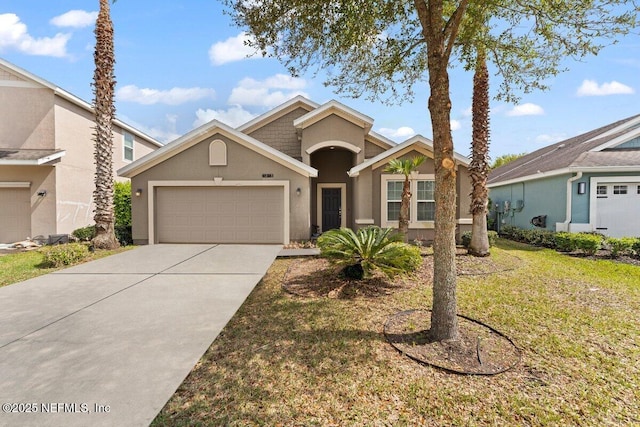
(15, 214)
(618, 209)
(220, 214)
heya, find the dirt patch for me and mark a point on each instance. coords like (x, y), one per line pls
(480, 350)
(317, 277)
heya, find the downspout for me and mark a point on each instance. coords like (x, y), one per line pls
(570, 182)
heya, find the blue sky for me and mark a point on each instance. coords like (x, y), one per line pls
(181, 64)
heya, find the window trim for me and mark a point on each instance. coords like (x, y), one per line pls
(413, 208)
(124, 146)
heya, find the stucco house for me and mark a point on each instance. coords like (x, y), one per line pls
(296, 170)
(590, 182)
(46, 156)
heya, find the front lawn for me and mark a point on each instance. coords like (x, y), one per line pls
(20, 266)
(321, 360)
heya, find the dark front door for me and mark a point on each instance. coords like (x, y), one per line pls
(331, 208)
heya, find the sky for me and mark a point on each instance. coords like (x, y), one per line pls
(182, 64)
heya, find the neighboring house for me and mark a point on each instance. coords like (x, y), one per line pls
(587, 183)
(299, 169)
(46, 156)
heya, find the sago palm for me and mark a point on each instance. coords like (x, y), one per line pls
(371, 248)
(103, 104)
(404, 167)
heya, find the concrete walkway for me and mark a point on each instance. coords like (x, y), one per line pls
(108, 342)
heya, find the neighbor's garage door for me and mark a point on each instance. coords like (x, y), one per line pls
(220, 214)
(617, 209)
(15, 214)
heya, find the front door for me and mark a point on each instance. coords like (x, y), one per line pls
(331, 208)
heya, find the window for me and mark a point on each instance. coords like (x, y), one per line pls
(128, 146)
(394, 199)
(426, 201)
(422, 205)
(619, 189)
(601, 190)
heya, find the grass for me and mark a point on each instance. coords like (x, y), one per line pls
(26, 265)
(285, 360)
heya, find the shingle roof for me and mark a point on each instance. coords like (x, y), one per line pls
(573, 152)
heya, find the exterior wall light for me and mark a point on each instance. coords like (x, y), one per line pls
(42, 193)
(298, 191)
(139, 192)
(582, 187)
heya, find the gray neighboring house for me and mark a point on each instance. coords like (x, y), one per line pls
(587, 183)
(296, 170)
(46, 156)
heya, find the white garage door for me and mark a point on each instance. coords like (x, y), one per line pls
(220, 214)
(15, 214)
(618, 209)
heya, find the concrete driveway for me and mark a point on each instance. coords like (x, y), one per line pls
(108, 342)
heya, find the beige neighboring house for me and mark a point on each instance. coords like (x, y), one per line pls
(299, 169)
(46, 156)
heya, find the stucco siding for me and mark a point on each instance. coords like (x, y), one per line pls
(333, 128)
(243, 164)
(43, 208)
(27, 118)
(281, 135)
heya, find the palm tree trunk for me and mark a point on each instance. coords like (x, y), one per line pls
(479, 167)
(403, 220)
(103, 86)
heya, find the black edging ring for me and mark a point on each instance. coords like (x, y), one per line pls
(454, 371)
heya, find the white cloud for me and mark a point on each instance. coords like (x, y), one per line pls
(231, 50)
(591, 88)
(234, 116)
(164, 134)
(14, 35)
(75, 19)
(261, 93)
(400, 133)
(468, 112)
(455, 124)
(527, 109)
(175, 96)
(550, 138)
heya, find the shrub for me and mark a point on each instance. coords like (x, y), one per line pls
(61, 255)
(373, 248)
(84, 233)
(565, 242)
(636, 246)
(123, 234)
(588, 243)
(122, 203)
(493, 236)
(619, 246)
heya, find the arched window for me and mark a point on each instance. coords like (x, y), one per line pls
(217, 153)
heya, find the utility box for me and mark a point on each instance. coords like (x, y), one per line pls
(58, 239)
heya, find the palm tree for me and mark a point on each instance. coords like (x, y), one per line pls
(404, 167)
(103, 89)
(479, 167)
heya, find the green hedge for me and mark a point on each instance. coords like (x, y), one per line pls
(61, 255)
(623, 245)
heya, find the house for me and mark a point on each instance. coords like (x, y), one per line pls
(299, 169)
(46, 156)
(590, 182)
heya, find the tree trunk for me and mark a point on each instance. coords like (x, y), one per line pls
(403, 221)
(479, 167)
(104, 82)
(444, 320)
